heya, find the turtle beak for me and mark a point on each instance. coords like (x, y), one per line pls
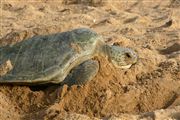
(135, 59)
(126, 67)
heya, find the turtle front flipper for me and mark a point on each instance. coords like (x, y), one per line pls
(82, 73)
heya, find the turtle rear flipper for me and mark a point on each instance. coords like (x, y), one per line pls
(5, 67)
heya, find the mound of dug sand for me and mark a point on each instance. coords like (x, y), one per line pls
(168, 114)
(152, 28)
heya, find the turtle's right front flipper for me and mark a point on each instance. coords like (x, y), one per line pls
(83, 73)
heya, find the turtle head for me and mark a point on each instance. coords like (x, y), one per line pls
(121, 57)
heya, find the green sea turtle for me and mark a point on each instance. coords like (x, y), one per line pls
(61, 58)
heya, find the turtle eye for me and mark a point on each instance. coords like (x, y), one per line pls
(128, 55)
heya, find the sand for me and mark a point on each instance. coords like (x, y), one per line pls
(149, 90)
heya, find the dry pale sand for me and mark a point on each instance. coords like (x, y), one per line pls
(151, 27)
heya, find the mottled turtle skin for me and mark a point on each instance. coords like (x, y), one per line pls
(62, 57)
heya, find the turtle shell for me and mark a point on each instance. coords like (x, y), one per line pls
(48, 58)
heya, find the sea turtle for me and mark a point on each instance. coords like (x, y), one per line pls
(61, 58)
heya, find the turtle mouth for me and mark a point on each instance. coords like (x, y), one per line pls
(122, 66)
(126, 66)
